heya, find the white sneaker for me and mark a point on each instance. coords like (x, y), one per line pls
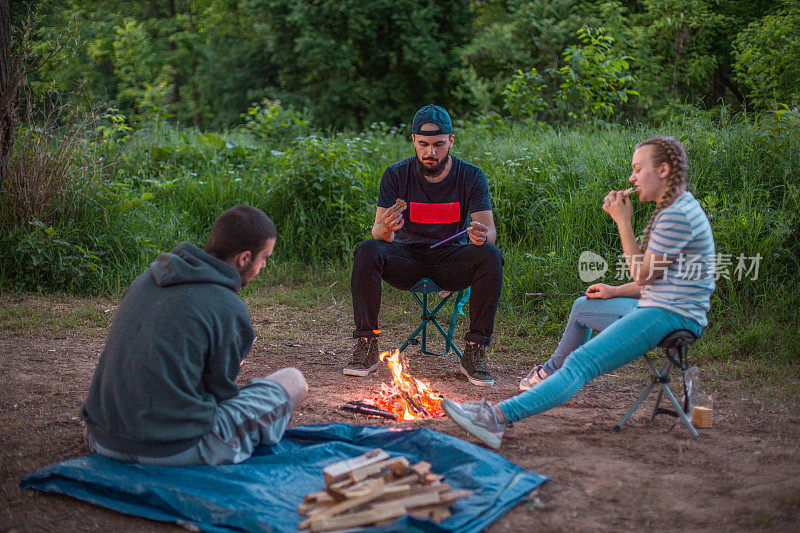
(477, 418)
(536, 375)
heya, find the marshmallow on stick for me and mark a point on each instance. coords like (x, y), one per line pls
(401, 203)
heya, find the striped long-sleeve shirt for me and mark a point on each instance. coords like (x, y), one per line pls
(682, 234)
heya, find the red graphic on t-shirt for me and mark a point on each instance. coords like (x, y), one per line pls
(445, 213)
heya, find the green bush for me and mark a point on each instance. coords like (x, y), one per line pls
(768, 58)
(274, 124)
(522, 96)
(596, 78)
(321, 198)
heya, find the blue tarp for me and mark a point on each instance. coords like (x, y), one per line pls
(262, 493)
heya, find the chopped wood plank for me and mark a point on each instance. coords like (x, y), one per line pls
(409, 495)
(376, 468)
(430, 477)
(376, 513)
(413, 478)
(434, 513)
(341, 507)
(418, 500)
(322, 496)
(336, 471)
(396, 491)
(450, 497)
(364, 488)
(421, 468)
(400, 491)
(339, 486)
(307, 509)
(387, 492)
(439, 513)
(423, 513)
(400, 469)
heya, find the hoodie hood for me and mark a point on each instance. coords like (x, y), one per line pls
(189, 264)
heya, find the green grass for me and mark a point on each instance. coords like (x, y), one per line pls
(166, 185)
(70, 314)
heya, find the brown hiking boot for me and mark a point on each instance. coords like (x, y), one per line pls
(473, 365)
(365, 358)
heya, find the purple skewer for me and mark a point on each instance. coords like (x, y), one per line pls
(450, 238)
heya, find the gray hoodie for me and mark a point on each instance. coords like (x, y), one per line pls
(173, 351)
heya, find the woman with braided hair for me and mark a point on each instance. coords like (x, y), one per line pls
(673, 278)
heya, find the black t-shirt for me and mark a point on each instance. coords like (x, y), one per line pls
(435, 210)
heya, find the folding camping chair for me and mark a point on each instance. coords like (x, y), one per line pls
(420, 292)
(676, 350)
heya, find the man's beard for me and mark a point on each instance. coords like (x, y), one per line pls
(436, 169)
(247, 273)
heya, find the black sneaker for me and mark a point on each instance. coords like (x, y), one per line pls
(365, 358)
(473, 365)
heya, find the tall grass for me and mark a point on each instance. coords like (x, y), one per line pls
(167, 185)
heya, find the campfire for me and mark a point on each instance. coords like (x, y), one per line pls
(405, 398)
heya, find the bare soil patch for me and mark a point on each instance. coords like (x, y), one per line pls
(743, 473)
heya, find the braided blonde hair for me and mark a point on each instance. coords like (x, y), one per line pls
(667, 150)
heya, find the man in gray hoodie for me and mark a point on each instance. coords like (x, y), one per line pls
(164, 391)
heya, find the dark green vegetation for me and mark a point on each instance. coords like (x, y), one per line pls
(348, 63)
(178, 118)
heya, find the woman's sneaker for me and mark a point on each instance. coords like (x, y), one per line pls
(478, 419)
(536, 375)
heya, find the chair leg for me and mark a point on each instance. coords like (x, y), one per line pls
(680, 412)
(452, 328)
(642, 397)
(430, 315)
(412, 338)
(665, 372)
(635, 406)
(658, 378)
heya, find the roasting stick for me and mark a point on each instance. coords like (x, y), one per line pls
(451, 237)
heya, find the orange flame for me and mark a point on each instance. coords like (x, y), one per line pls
(407, 396)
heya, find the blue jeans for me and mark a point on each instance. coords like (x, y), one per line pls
(587, 315)
(624, 341)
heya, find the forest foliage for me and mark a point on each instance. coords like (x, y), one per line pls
(347, 64)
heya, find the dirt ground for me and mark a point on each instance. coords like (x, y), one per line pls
(742, 474)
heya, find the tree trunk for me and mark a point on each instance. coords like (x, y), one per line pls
(11, 79)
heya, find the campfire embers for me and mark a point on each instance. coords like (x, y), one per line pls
(405, 398)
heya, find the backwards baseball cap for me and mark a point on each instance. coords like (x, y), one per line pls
(435, 114)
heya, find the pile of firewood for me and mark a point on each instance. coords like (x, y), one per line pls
(375, 489)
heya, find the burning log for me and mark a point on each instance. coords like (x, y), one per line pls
(414, 403)
(410, 398)
(373, 489)
(370, 409)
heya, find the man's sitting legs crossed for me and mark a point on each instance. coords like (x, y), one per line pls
(164, 390)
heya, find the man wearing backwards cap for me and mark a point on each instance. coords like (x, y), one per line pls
(441, 195)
